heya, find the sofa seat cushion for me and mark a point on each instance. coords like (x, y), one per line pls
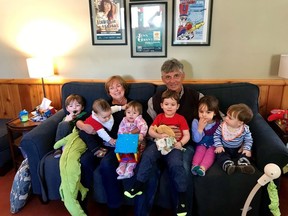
(216, 191)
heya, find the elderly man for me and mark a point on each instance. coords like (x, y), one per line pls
(172, 74)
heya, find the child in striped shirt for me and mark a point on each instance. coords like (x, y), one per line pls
(233, 140)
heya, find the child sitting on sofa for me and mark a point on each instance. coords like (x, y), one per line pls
(102, 117)
(233, 140)
(133, 120)
(74, 105)
(202, 131)
(174, 159)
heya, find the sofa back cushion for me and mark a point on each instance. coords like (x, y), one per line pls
(92, 91)
(228, 93)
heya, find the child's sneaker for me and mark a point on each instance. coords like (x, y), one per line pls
(181, 209)
(229, 167)
(247, 169)
(120, 177)
(135, 190)
(201, 171)
(57, 153)
(194, 169)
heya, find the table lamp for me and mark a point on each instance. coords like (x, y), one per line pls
(40, 68)
(283, 66)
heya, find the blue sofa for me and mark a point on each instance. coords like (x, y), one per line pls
(215, 194)
(5, 154)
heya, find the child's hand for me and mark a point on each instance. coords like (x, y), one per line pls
(202, 124)
(124, 107)
(178, 145)
(135, 131)
(176, 131)
(247, 153)
(219, 150)
(69, 117)
(141, 137)
(112, 141)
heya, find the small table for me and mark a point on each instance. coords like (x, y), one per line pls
(15, 126)
(281, 129)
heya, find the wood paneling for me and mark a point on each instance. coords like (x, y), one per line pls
(18, 94)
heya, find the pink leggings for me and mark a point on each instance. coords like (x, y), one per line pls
(204, 156)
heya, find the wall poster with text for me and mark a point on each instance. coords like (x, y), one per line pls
(108, 22)
(191, 22)
(148, 29)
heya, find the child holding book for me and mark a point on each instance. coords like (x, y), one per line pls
(132, 122)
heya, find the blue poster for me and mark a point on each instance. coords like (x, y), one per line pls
(149, 29)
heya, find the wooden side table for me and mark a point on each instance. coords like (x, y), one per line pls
(15, 126)
(281, 130)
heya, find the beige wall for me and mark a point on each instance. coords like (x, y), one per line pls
(246, 40)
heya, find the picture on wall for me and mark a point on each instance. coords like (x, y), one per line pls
(108, 22)
(191, 22)
(148, 29)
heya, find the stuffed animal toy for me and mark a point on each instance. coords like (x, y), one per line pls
(70, 171)
(278, 114)
(165, 145)
(164, 129)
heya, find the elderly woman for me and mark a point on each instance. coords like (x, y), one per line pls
(116, 88)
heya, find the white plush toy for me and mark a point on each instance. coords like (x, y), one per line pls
(165, 145)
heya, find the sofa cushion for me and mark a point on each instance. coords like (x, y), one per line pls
(228, 93)
(21, 187)
(5, 156)
(4, 143)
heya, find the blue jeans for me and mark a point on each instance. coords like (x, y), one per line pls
(144, 202)
(174, 161)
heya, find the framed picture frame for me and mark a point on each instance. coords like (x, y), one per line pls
(108, 22)
(191, 22)
(148, 29)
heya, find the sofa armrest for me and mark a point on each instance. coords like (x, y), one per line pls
(39, 141)
(267, 147)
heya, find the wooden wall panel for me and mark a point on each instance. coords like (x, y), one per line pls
(284, 104)
(263, 99)
(25, 98)
(10, 101)
(275, 95)
(54, 94)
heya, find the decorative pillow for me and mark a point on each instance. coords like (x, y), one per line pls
(20, 188)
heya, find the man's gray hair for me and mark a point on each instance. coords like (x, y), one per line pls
(172, 65)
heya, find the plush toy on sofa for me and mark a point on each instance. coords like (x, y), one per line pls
(278, 114)
(71, 173)
(165, 145)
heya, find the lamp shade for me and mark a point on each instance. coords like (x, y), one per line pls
(283, 66)
(40, 67)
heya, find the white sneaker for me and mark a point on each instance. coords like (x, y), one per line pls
(120, 177)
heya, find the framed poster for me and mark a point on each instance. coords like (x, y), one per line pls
(191, 22)
(108, 22)
(148, 29)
